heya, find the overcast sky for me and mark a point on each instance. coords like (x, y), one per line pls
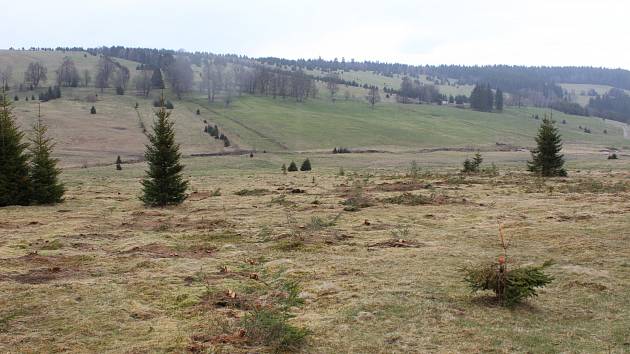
(528, 32)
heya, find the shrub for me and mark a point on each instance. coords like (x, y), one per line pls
(357, 199)
(306, 165)
(254, 192)
(16, 98)
(414, 170)
(198, 111)
(292, 167)
(271, 327)
(612, 156)
(409, 199)
(511, 286)
(472, 166)
(120, 90)
(341, 150)
(93, 110)
(169, 105)
(491, 171)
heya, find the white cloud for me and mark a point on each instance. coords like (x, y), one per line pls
(535, 32)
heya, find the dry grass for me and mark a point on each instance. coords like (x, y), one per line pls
(100, 273)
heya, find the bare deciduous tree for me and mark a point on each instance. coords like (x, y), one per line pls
(143, 82)
(6, 75)
(121, 76)
(180, 76)
(373, 97)
(104, 70)
(86, 77)
(67, 74)
(212, 79)
(35, 74)
(331, 85)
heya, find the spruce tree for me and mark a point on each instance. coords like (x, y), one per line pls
(284, 169)
(477, 160)
(157, 82)
(489, 99)
(164, 183)
(546, 158)
(498, 100)
(306, 165)
(46, 188)
(118, 163)
(15, 186)
(292, 167)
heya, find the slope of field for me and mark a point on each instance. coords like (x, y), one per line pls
(85, 139)
(393, 82)
(18, 60)
(266, 123)
(263, 123)
(579, 92)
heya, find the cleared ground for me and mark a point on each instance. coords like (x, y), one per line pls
(100, 273)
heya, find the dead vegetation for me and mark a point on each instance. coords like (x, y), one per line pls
(353, 263)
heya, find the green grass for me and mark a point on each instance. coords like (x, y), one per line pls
(265, 123)
(374, 79)
(576, 90)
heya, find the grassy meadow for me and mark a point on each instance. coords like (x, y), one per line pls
(283, 125)
(102, 273)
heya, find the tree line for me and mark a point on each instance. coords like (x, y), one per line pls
(415, 91)
(482, 98)
(615, 105)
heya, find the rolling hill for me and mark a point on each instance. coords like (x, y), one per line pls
(281, 125)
